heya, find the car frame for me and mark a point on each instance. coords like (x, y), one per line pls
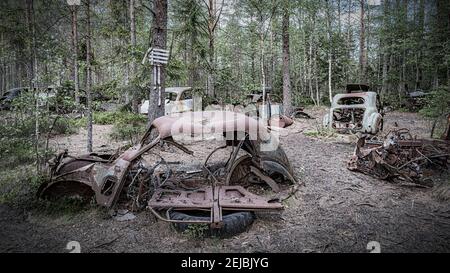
(358, 110)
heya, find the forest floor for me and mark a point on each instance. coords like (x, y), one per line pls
(335, 211)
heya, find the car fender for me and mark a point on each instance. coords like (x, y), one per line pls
(373, 123)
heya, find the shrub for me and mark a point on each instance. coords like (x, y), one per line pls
(19, 185)
(128, 126)
(438, 103)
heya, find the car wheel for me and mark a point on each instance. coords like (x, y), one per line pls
(233, 223)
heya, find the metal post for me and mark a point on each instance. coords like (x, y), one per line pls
(157, 58)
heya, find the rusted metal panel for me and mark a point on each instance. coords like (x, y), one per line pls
(225, 197)
(216, 208)
(165, 199)
(236, 197)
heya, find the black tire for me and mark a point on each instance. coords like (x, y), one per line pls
(233, 223)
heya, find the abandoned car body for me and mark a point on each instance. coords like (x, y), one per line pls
(178, 100)
(212, 195)
(269, 110)
(355, 112)
(399, 156)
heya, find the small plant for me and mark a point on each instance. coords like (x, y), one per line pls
(19, 185)
(128, 126)
(321, 131)
(196, 231)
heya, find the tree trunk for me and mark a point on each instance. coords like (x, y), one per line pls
(261, 48)
(316, 78)
(384, 46)
(287, 98)
(159, 40)
(75, 54)
(310, 68)
(134, 95)
(194, 76)
(348, 42)
(339, 17)
(33, 75)
(330, 49)
(362, 45)
(88, 76)
(421, 18)
(211, 33)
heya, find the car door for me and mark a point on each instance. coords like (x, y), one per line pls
(183, 103)
(187, 101)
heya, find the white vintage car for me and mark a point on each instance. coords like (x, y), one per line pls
(359, 110)
(177, 100)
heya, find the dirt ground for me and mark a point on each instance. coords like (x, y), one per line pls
(335, 211)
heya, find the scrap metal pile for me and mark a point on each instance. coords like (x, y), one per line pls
(399, 156)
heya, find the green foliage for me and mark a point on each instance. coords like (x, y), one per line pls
(18, 131)
(15, 151)
(321, 132)
(414, 50)
(128, 126)
(438, 103)
(103, 118)
(196, 231)
(18, 185)
(17, 143)
(108, 91)
(393, 101)
(117, 117)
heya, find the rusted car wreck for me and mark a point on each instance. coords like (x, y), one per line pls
(358, 110)
(213, 195)
(401, 157)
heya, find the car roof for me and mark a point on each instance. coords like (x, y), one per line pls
(177, 90)
(415, 94)
(352, 87)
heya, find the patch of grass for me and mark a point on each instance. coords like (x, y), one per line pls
(196, 231)
(16, 151)
(128, 126)
(103, 118)
(65, 126)
(63, 207)
(18, 186)
(321, 132)
(18, 189)
(17, 138)
(403, 110)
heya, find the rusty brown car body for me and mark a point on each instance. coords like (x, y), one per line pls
(113, 177)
